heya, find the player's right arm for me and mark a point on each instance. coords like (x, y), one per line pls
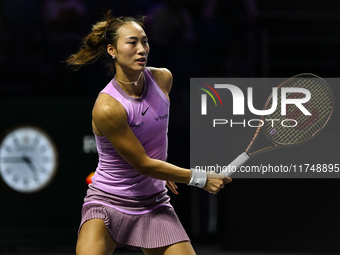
(110, 120)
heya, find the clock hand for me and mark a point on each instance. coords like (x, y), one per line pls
(29, 164)
(13, 160)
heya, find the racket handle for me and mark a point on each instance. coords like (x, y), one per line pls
(234, 165)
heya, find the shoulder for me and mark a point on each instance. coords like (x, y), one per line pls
(108, 111)
(163, 78)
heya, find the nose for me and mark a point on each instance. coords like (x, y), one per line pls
(142, 49)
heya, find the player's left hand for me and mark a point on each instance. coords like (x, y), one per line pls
(172, 186)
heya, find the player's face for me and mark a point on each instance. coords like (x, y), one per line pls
(132, 47)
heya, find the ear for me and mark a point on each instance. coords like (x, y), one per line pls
(111, 50)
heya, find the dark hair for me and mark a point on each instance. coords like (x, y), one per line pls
(94, 45)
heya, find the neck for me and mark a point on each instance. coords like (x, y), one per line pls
(132, 85)
(127, 76)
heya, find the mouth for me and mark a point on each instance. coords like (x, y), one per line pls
(141, 60)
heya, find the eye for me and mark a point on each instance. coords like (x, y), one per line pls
(131, 42)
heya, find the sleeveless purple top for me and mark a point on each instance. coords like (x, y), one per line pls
(148, 117)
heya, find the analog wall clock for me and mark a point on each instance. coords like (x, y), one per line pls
(28, 159)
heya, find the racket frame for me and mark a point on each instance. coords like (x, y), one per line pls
(278, 145)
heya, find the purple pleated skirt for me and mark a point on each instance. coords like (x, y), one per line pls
(158, 228)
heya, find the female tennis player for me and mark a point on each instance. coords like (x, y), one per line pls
(127, 203)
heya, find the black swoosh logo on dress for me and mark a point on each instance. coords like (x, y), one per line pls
(143, 113)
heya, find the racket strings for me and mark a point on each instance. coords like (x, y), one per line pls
(321, 108)
(306, 121)
(295, 127)
(307, 125)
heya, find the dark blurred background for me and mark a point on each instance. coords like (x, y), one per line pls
(192, 38)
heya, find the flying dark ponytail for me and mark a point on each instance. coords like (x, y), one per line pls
(94, 45)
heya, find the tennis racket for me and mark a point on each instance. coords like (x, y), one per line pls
(302, 128)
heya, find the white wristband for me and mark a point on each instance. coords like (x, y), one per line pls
(198, 178)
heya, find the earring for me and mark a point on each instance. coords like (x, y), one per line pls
(113, 57)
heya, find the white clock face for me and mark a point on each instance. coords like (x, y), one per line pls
(28, 159)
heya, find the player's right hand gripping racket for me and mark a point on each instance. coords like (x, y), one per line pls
(305, 128)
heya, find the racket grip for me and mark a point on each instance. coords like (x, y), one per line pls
(234, 165)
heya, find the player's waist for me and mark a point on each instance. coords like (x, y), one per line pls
(127, 204)
(127, 184)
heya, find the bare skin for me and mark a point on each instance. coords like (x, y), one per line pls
(94, 239)
(110, 120)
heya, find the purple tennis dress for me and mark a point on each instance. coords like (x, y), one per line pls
(135, 208)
